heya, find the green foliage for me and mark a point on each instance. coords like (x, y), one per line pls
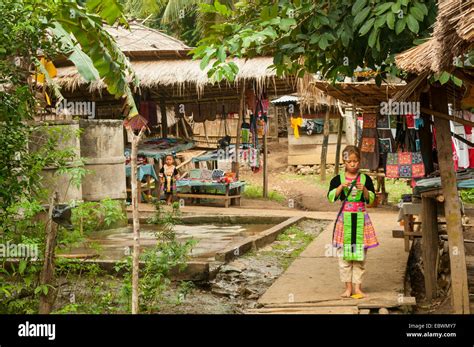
(165, 219)
(169, 255)
(467, 195)
(93, 216)
(256, 192)
(19, 287)
(332, 37)
(31, 29)
(290, 244)
(99, 55)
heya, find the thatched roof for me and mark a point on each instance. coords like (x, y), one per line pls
(143, 41)
(180, 75)
(453, 35)
(361, 94)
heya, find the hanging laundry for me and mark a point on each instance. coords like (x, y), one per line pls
(261, 124)
(296, 122)
(245, 132)
(468, 130)
(148, 111)
(462, 148)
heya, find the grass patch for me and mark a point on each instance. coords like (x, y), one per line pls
(314, 180)
(395, 188)
(256, 192)
(288, 246)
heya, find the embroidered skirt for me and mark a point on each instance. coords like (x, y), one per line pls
(370, 239)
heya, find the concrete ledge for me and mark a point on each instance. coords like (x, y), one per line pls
(223, 219)
(255, 242)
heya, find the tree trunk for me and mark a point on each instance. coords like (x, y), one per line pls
(47, 273)
(452, 206)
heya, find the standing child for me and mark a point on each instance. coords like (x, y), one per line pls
(353, 230)
(168, 176)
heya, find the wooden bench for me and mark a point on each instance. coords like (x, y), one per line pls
(229, 199)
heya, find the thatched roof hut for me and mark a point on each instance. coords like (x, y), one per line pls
(453, 35)
(162, 63)
(363, 94)
(182, 76)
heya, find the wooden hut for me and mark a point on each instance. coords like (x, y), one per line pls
(177, 85)
(177, 94)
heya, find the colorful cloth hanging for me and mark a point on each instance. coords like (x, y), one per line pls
(296, 122)
(368, 145)
(404, 165)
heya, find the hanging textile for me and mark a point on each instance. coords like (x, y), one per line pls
(253, 129)
(261, 125)
(468, 130)
(368, 145)
(245, 132)
(148, 111)
(461, 148)
(296, 122)
(386, 141)
(404, 165)
(313, 126)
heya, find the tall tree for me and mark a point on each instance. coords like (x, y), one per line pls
(332, 37)
(31, 29)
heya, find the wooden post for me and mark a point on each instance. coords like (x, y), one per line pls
(354, 114)
(324, 149)
(135, 139)
(452, 205)
(265, 169)
(47, 273)
(184, 128)
(164, 118)
(338, 146)
(236, 162)
(205, 133)
(429, 243)
(407, 228)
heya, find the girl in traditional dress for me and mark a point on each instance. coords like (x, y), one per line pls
(168, 176)
(353, 232)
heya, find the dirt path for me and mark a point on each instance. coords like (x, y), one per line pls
(307, 196)
(305, 191)
(311, 284)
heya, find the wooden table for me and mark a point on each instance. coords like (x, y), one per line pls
(231, 192)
